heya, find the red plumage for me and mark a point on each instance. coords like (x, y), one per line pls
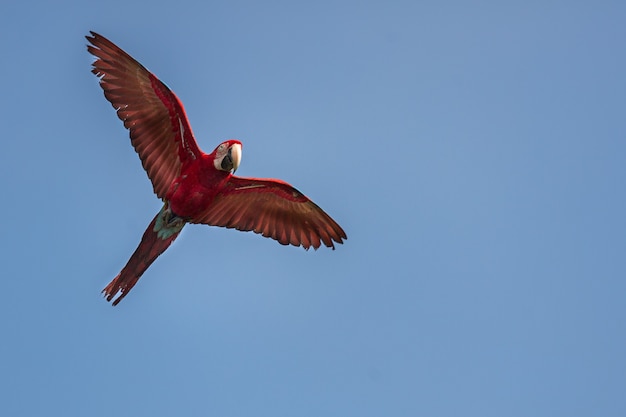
(150, 247)
(196, 187)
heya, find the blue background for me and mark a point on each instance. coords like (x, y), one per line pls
(474, 152)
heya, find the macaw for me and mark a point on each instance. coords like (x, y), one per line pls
(195, 187)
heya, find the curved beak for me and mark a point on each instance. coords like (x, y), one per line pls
(234, 154)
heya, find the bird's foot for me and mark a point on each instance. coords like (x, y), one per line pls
(168, 223)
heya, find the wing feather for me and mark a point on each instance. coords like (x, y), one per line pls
(273, 209)
(155, 117)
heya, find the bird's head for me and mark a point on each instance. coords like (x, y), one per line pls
(227, 156)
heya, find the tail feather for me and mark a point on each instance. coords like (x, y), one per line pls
(158, 236)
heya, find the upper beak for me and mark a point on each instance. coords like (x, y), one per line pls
(234, 152)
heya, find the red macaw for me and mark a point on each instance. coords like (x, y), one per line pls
(195, 187)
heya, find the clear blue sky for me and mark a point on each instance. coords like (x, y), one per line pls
(474, 152)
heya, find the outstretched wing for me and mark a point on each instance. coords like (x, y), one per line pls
(159, 130)
(274, 209)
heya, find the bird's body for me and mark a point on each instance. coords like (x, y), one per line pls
(195, 187)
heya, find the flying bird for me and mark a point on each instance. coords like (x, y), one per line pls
(195, 187)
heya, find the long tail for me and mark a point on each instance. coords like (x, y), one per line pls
(159, 235)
